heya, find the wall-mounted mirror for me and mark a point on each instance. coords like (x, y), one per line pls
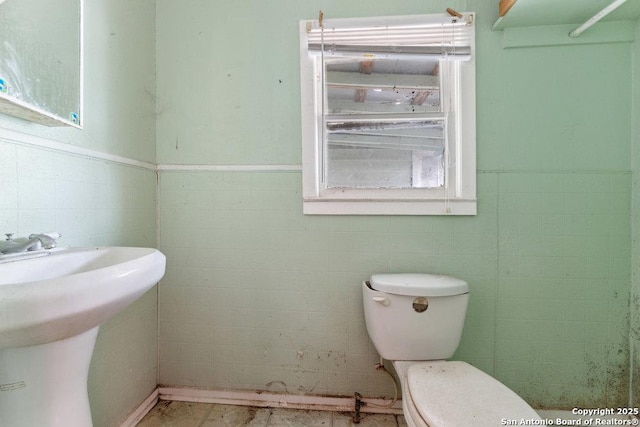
(41, 61)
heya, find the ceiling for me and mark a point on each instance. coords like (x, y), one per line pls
(529, 13)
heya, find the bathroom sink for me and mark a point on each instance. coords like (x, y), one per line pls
(51, 306)
(71, 291)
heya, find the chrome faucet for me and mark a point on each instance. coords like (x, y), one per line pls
(34, 242)
(48, 240)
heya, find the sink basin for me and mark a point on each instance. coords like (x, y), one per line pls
(50, 310)
(50, 298)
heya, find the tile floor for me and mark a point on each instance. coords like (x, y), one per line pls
(188, 414)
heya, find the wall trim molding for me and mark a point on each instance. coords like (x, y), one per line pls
(275, 400)
(15, 137)
(142, 410)
(21, 138)
(254, 398)
(228, 168)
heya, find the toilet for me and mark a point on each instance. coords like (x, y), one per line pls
(415, 321)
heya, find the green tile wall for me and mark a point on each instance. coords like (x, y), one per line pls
(635, 230)
(259, 296)
(562, 323)
(93, 202)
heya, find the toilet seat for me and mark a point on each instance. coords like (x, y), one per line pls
(444, 393)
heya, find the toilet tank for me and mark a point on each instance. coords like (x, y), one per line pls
(415, 316)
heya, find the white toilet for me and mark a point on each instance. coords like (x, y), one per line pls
(415, 321)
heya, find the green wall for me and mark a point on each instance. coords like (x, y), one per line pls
(635, 221)
(259, 296)
(96, 202)
(119, 92)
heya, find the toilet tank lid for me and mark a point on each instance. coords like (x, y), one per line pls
(413, 284)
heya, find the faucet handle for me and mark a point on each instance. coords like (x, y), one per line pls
(9, 236)
(52, 235)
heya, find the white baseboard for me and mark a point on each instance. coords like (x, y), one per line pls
(291, 401)
(275, 400)
(143, 409)
(260, 399)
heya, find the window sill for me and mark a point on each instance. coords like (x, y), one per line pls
(389, 207)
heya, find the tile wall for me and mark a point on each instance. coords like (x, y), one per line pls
(635, 230)
(92, 202)
(563, 287)
(259, 296)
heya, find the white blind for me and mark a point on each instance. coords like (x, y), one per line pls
(439, 35)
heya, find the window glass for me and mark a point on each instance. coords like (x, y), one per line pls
(389, 115)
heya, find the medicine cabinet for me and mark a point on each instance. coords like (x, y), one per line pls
(41, 61)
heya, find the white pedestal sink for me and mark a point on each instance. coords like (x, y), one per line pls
(50, 311)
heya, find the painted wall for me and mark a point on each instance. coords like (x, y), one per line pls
(635, 229)
(94, 202)
(259, 296)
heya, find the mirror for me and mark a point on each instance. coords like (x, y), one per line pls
(41, 61)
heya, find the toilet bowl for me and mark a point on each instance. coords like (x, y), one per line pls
(416, 321)
(441, 393)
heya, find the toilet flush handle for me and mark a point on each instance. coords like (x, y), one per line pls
(382, 300)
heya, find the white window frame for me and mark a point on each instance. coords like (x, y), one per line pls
(458, 198)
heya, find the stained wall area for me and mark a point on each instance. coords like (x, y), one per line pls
(259, 296)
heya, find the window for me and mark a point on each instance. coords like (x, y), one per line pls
(388, 115)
